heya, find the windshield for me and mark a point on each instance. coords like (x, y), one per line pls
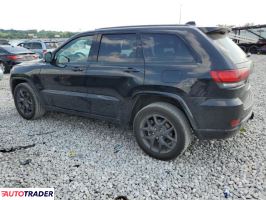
(16, 50)
(229, 48)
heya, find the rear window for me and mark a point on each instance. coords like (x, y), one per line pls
(36, 45)
(2, 52)
(16, 50)
(165, 47)
(51, 45)
(229, 48)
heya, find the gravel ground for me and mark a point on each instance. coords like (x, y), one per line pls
(88, 159)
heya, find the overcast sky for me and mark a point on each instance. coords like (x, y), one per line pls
(81, 15)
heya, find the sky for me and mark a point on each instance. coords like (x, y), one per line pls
(83, 15)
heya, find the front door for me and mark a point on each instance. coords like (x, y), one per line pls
(64, 80)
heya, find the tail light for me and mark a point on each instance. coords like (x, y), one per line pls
(13, 57)
(234, 78)
(44, 52)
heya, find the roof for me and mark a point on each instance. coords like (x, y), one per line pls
(165, 26)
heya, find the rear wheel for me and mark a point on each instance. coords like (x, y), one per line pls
(28, 102)
(162, 131)
(253, 49)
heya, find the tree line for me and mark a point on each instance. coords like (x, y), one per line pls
(24, 34)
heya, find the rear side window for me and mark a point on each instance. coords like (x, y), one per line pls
(118, 48)
(36, 45)
(21, 45)
(229, 48)
(165, 47)
(2, 52)
(16, 50)
(26, 45)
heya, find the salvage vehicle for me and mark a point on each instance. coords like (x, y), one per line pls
(10, 56)
(168, 82)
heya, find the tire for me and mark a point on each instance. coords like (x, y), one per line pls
(25, 95)
(253, 49)
(170, 138)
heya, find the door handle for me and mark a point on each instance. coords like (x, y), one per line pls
(131, 70)
(77, 69)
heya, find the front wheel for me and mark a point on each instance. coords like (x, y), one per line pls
(162, 130)
(27, 102)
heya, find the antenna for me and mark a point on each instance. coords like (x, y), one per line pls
(180, 12)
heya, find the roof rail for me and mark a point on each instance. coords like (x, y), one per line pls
(140, 26)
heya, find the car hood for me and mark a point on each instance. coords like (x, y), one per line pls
(28, 67)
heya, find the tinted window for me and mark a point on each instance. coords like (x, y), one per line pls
(77, 50)
(36, 45)
(165, 47)
(118, 48)
(229, 48)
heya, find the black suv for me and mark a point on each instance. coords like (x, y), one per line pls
(167, 81)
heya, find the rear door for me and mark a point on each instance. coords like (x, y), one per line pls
(116, 73)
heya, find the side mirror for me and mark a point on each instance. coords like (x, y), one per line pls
(48, 57)
(62, 60)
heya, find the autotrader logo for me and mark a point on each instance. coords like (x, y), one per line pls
(26, 193)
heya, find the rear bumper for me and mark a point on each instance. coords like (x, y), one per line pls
(222, 134)
(215, 117)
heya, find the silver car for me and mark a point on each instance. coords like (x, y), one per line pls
(39, 46)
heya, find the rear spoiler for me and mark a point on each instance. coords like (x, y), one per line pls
(211, 30)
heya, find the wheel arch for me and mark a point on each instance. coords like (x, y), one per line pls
(142, 99)
(14, 81)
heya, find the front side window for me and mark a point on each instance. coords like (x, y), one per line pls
(118, 48)
(77, 50)
(165, 47)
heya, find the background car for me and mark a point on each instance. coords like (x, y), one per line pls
(39, 46)
(10, 56)
(4, 42)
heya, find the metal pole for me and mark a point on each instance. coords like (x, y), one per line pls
(180, 13)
